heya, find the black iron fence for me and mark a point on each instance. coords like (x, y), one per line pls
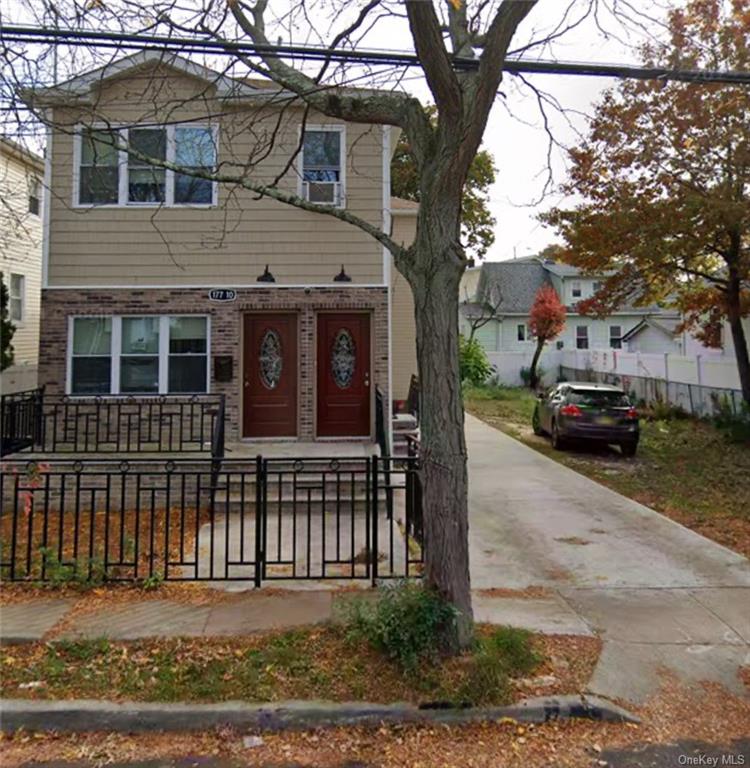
(696, 399)
(21, 420)
(205, 519)
(111, 424)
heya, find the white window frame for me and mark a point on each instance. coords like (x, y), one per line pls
(333, 127)
(578, 336)
(116, 354)
(21, 298)
(122, 167)
(618, 337)
(576, 286)
(35, 193)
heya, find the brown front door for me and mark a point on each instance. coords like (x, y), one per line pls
(343, 375)
(270, 376)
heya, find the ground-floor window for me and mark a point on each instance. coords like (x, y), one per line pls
(582, 337)
(143, 354)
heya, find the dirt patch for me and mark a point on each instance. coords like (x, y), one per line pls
(576, 540)
(530, 593)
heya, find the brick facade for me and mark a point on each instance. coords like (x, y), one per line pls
(226, 332)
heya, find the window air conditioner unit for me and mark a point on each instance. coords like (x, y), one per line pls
(324, 192)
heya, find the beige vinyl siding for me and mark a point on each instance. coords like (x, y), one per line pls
(21, 244)
(403, 327)
(231, 243)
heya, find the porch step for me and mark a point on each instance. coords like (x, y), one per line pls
(405, 428)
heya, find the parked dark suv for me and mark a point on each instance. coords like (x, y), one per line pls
(581, 411)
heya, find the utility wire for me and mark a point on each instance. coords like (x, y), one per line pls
(88, 38)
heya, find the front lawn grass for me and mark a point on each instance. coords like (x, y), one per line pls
(685, 468)
(311, 663)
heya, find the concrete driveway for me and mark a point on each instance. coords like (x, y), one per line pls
(661, 596)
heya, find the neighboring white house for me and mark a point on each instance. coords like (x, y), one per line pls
(509, 288)
(21, 182)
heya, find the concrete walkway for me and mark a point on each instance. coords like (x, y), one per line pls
(255, 611)
(662, 596)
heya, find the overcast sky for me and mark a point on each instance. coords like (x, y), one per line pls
(517, 140)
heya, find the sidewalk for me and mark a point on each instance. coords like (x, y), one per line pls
(151, 617)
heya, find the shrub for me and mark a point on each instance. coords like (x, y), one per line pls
(474, 366)
(663, 411)
(80, 572)
(735, 424)
(504, 654)
(525, 374)
(404, 622)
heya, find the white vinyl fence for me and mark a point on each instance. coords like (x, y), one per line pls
(695, 383)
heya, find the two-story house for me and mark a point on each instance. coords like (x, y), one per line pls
(158, 282)
(21, 174)
(508, 289)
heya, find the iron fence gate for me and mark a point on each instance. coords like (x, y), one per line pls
(206, 520)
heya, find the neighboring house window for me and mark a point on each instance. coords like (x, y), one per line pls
(323, 165)
(582, 337)
(34, 196)
(521, 332)
(145, 355)
(615, 336)
(17, 306)
(109, 176)
(597, 286)
(576, 290)
(91, 356)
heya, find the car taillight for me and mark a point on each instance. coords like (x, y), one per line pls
(570, 410)
(632, 413)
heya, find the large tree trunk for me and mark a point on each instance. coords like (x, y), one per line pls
(434, 269)
(533, 378)
(734, 315)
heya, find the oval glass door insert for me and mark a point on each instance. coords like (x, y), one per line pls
(271, 361)
(343, 359)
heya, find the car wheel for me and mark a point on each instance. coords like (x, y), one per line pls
(628, 449)
(536, 423)
(558, 443)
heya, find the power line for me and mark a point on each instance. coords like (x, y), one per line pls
(123, 41)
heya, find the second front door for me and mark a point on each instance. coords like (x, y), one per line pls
(343, 374)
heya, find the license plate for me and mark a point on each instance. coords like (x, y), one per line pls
(605, 421)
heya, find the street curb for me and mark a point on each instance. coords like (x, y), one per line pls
(133, 717)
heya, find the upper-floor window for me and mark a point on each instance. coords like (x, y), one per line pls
(17, 292)
(598, 285)
(521, 332)
(575, 289)
(34, 195)
(615, 336)
(109, 174)
(323, 157)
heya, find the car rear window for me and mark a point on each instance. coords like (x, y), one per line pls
(598, 398)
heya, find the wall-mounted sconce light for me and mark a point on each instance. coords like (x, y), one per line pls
(266, 277)
(342, 277)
